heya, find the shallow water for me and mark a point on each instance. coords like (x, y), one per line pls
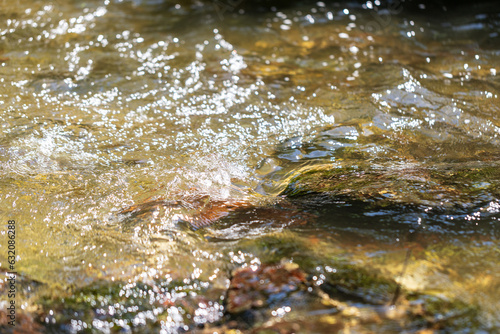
(109, 104)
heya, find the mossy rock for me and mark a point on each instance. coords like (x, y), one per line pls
(118, 307)
(445, 185)
(295, 275)
(355, 290)
(298, 277)
(444, 315)
(343, 279)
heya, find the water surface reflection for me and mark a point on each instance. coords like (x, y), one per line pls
(151, 143)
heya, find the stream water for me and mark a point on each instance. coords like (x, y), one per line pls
(146, 146)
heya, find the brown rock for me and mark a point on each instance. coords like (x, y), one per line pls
(252, 287)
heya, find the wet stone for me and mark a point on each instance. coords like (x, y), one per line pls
(24, 323)
(262, 166)
(118, 307)
(443, 185)
(260, 286)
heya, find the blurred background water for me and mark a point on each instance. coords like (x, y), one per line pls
(106, 104)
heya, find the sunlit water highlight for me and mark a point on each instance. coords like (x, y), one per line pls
(106, 104)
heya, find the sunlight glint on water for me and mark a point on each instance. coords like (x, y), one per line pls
(110, 104)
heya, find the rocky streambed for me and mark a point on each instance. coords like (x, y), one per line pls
(250, 167)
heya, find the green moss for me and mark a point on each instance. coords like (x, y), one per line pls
(102, 300)
(344, 280)
(320, 180)
(275, 247)
(349, 282)
(440, 313)
(448, 184)
(125, 306)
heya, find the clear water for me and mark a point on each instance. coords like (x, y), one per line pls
(106, 105)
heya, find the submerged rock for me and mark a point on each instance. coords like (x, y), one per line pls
(260, 286)
(198, 211)
(443, 185)
(203, 211)
(287, 298)
(23, 287)
(24, 323)
(321, 290)
(118, 307)
(281, 282)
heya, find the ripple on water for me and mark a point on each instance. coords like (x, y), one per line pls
(122, 118)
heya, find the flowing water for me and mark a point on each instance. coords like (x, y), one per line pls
(121, 119)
